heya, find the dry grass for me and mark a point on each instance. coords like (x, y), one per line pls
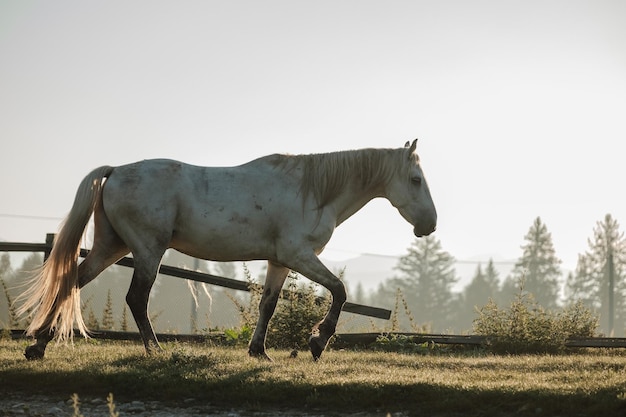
(593, 383)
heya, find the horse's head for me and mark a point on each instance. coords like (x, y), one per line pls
(408, 192)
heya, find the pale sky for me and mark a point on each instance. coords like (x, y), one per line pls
(520, 106)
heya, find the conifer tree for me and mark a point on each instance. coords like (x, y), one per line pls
(482, 288)
(107, 314)
(591, 280)
(31, 263)
(124, 320)
(492, 278)
(538, 266)
(474, 295)
(359, 294)
(508, 290)
(5, 272)
(92, 321)
(581, 284)
(426, 275)
(5, 265)
(225, 269)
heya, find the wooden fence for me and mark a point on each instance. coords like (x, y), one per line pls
(352, 339)
(347, 339)
(234, 284)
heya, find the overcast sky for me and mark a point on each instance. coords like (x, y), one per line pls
(520, 106)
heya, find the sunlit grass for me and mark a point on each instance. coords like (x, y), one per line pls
(581, 384)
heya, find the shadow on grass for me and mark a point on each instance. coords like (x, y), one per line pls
(176, 376)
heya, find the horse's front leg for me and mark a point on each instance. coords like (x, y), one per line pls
(312, 268)
(325, 329)
(274, 281)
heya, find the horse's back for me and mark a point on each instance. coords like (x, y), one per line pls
(220, 213)
(166, 178)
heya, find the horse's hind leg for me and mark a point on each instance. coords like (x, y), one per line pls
(107, 249)
(146, 269)
(38, 349)
(274, 281)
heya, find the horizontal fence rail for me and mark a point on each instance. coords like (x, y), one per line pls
(350, 339)
(363, 310)
(353, 339)
(369, 338)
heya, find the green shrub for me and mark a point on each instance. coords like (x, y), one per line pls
(250, 312)
(238, 337)
(526, 327)
(295, 315)
(14, 320)
(396, 315)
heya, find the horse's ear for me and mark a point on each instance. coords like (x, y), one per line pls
(412, 147)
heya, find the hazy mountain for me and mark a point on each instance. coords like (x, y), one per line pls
(371, 270)
(368, 270)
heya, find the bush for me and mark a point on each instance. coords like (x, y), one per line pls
(395, 316)
(295, 314)
(248, 312)
(526, 327)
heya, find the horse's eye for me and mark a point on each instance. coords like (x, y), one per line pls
(416, 180)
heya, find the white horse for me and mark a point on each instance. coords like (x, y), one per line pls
(279, 208)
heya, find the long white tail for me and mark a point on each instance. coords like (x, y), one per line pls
(53, 295)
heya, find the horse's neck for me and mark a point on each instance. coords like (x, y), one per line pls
(352, 200)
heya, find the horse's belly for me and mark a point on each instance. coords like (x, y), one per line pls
(229, 239)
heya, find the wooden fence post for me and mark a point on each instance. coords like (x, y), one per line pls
(49, 243)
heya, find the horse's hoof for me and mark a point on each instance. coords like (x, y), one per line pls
(259, 355)
(316, 346)
(34, 352)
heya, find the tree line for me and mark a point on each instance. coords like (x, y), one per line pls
(421, 288)
(426, 274)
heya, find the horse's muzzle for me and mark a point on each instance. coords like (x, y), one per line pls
(422, 230)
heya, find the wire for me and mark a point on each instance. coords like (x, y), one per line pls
(22, 216)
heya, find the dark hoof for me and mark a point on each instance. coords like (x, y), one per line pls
(259, 355)
(153, 348)
(316, 346)
(34, 352)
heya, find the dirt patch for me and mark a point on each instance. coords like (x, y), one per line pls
(42, 405)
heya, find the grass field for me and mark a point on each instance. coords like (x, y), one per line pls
(592, 383)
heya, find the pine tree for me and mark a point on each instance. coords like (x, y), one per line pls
(426, 275)
(492, 278)
(107, 314)
(5, 265)
(25, 271)
(92, 321)
(482, 288)
(508, 290)
(359, 294)
(124, 320)
(590, 282)
(539, 267)
(225, 269)
(5, 272)
(580, 284)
